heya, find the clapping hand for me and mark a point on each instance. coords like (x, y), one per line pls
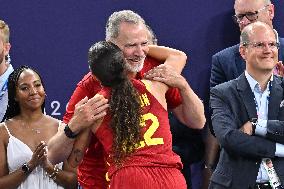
(279, 69)
(39, 155)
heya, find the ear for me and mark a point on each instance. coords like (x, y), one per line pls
(242, 51)
(271, 11)
(7, 47)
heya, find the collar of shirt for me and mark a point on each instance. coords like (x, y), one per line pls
(254, 85)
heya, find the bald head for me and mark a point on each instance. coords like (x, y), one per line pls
(253, 28)
(257, 1)
(249, 11)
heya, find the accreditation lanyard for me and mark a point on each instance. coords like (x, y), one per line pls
(272, 175)
(267, 162)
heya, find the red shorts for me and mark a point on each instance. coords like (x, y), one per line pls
(148, 177)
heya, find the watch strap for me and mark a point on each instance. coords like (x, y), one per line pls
(254, 123)
(26, 169)
(69, 133)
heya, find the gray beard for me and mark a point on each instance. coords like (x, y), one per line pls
(134, 69)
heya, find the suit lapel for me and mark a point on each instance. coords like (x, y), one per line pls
(247, 96)
(275, 99)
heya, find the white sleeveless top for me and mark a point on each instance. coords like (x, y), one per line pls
(19, 153)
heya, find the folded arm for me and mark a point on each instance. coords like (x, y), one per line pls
(230, 137)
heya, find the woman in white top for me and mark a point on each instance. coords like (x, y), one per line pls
(23, 138)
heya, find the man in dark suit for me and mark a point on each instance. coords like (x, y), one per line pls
(248, 116)
(228, 63)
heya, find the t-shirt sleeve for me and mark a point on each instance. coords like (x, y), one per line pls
(173, 98)
(79, 93)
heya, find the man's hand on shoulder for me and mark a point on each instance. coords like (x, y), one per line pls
(166, 74)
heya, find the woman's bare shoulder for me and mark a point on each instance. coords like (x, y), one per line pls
(3, 132)
(156, 88)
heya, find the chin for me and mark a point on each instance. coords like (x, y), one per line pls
(134, 68)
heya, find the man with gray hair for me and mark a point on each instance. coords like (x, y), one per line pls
(5, 67)
(129, 32)
(248, 117)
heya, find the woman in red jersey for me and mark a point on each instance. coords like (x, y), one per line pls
(135, 133)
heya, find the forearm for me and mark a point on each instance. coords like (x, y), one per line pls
(275, 131)
(172, 57)
(79, 147)
(13, 180)
(62, 177)
(191, 111)
(162, 53)
(56, 144)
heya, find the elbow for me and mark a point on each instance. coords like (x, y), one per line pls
(53, 157)
(202, 122)
(183, 56)
(197, 123)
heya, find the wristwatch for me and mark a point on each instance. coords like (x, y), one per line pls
(26, 169)
(254, 124)
(69, 133)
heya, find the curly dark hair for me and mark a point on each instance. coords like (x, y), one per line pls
(106, 62)
(13, 108)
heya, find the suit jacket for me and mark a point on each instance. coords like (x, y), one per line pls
(233, 105)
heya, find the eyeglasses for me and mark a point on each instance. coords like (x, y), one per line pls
(262, 45)
(251, 16)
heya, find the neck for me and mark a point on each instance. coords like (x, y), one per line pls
(131, 75)
(262, 78)
(29, 116)
(3, 67)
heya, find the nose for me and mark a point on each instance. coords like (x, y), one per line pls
(33, 91)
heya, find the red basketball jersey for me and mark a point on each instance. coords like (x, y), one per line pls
(156, 146)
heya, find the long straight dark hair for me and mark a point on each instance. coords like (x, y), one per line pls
(106, 62)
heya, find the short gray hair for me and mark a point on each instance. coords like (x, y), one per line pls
(152, 36)
(249, 29)
(114, 21)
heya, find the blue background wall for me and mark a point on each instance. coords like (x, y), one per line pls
(54, 36)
